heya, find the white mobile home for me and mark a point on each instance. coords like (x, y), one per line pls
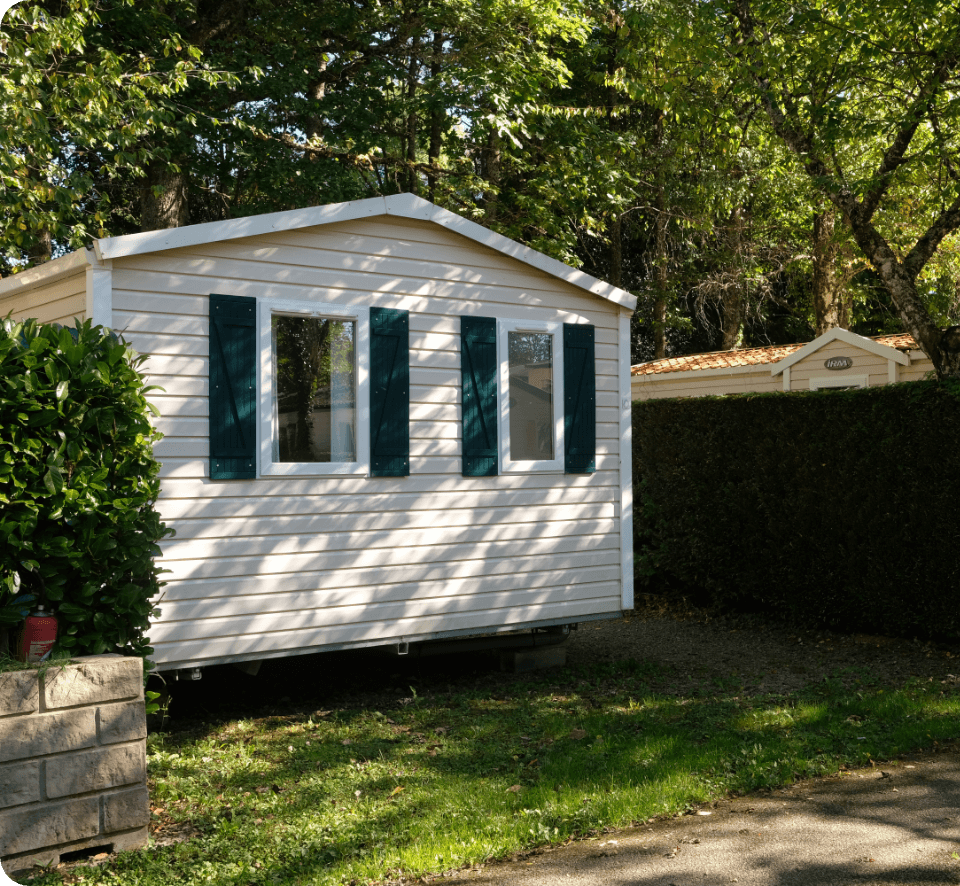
(836, 359)
(383, 424)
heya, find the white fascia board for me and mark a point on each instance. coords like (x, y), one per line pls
(847, 337)
(49, 272)
(411, 206)
(681, 375)
(233, 229)
(399, 205)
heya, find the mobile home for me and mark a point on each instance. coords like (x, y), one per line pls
(837, 359)
(382, 424)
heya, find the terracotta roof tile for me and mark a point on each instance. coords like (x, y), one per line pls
(749, 356)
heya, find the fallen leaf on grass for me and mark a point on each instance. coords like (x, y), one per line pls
(396, 790)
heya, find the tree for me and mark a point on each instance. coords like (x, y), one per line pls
(77, 116)
(867, 101)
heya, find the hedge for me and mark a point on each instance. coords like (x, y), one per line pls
(836, 508)
(78, 483)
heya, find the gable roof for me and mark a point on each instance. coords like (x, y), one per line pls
(779, 357)
(399, 205)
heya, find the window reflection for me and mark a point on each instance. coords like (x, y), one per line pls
(314, 364)
(530, 359)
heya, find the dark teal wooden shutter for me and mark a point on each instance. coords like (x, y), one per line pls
(389, 393)
(579, 399)
(233, 387)
(478, 371)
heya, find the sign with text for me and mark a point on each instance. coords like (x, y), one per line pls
(838, 363)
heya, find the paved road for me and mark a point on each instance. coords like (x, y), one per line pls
(896, 824)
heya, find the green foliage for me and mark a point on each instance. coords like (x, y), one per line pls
(835, 508)
(78, 483)
(78, 108)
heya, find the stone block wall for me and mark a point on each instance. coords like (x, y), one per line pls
(73, 767)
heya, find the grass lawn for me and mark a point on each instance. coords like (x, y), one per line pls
(471, 768)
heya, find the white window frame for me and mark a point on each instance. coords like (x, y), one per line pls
(267, 309)
(504, 327)
(839, 381)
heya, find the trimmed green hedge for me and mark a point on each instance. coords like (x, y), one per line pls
(837, 508)
(78, 482)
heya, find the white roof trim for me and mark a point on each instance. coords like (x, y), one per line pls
(48, 272)
(847, 337)
(400, 205)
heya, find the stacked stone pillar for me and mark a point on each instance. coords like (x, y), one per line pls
(72, 760)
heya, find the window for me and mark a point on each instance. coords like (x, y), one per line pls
(529, 397)
(315, 389)
(838, 383)
(314, 367)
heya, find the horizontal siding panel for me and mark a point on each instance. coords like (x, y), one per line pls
(387, 612)
(443, 322)
(396, 242)
(156, 274)
(227, 257)
(295, 601)
(372, 502)
(375, 631)
(437, 537)
(48, 299)
(580, 566)
(283, 525)
(271, 565)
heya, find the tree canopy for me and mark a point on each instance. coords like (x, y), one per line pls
(754, 170)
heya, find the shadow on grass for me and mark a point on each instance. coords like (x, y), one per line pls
(360, 767)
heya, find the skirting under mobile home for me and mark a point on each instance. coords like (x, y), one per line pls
(836, 359)
(382, 424)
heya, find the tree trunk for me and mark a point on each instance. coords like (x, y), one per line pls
(411, 123)
(42, 250)
(616, 251)
(491, 172)
(660, 279)
(733, 300)
(660, 255)
(436, 119)
(163, 201)
(831, 305)
(315, 125)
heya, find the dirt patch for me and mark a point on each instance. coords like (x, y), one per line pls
(698, 651)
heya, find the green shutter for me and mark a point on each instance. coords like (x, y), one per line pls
(478, 370)
(233, 387)
(579, 399)
(389, 393)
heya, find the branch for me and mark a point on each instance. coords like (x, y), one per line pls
(363, 162)
(893, 158)
(946, 223)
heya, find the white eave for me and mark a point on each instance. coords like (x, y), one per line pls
(400, 205)
(847, 337)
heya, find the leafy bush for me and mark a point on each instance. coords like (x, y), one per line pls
(838, 508)
(78, 482)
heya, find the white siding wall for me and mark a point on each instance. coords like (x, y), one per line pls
(281, 563)
(865, 364)
(693, 384)
(920, 366)
(57, 302)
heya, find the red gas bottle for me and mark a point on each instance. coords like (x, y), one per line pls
(37, 636)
